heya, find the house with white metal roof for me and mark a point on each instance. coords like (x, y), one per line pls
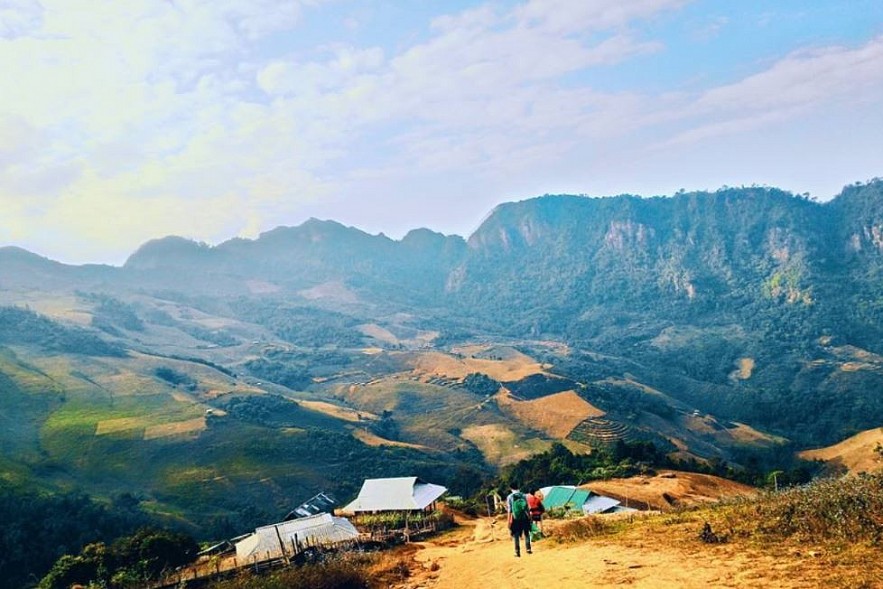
(395, 494)
(322, 529)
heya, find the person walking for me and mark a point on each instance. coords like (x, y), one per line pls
(519, 519)
(536, 508)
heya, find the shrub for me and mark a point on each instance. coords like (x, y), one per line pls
(580, 530)
(345, 571)
(848, 509)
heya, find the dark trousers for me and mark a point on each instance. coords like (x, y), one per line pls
(518, 528)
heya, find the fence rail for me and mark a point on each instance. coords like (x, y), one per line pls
(296, 553)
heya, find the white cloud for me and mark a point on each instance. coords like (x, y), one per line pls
(138, 118)
(568, 17)
(797, 85)
(19, 17)
(806, 78)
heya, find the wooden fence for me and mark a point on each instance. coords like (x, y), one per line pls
(296, 553)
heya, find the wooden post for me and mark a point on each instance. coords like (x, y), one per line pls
(281, 544)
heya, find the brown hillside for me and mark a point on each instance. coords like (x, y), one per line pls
(555, 415)
(670, 488)
(512, 366)
(855, 454)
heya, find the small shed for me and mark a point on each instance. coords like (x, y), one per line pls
(572, 498)
(395, 494)
(316, 529)
(321, 503)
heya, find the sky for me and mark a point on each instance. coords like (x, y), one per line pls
(123, 121)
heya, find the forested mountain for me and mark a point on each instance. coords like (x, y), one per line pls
(685, 286)
(220, 385)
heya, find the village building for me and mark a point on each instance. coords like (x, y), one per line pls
(575, 500)
(395, 494)
(289, 537)
(320, 503)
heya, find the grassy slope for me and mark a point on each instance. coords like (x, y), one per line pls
(91, 423)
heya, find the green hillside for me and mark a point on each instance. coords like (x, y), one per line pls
(222, 385)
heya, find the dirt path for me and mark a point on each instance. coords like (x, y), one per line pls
(481, 556)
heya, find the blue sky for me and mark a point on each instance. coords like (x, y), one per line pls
(127, 120)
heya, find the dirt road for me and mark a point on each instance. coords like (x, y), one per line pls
(481, 556)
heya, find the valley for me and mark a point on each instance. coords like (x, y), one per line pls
(214, 387)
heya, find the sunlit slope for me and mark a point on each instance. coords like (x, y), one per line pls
(212, 447)
(862, 452)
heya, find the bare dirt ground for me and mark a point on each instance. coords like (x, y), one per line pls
(667, 489)
(649, 554)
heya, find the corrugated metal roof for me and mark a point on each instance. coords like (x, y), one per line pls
(395, 494)
(575, 499)
(323, 528)
(323, 502)
(599, 504)
(565, 497)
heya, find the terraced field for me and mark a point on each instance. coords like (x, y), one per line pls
(596, 431)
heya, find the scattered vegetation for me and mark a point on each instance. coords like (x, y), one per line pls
(343, 571)
(23, 326)
(129, 562)
(285, 373)
(173, 377)
(399, 520)
(559, 466)
(110, 313)
(480, 384)
(305, 326)
(536, 386)
(847, 509)
(579, 530)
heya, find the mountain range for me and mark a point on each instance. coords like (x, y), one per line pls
(720, 325)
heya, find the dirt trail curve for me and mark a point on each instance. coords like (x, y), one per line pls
(481, 556)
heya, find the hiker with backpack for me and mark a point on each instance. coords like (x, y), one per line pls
(519, 519)
(537, 509)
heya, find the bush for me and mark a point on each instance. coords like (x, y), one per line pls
(848, 509)
(582, 529)
(345, 571)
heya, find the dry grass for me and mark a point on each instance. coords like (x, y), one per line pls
(377, 332)
(370, 439)
(580, 530)
(513, 366)
(668, 489)
(112, 426)
(745, 434)
(178, 428)
(745, 369)
(343, 571)
(500, 445)
(335, 290)
(847, 510)
(555, 415)
(338, 411)
(856, 454)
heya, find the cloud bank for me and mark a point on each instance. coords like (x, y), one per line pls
(125, 120)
